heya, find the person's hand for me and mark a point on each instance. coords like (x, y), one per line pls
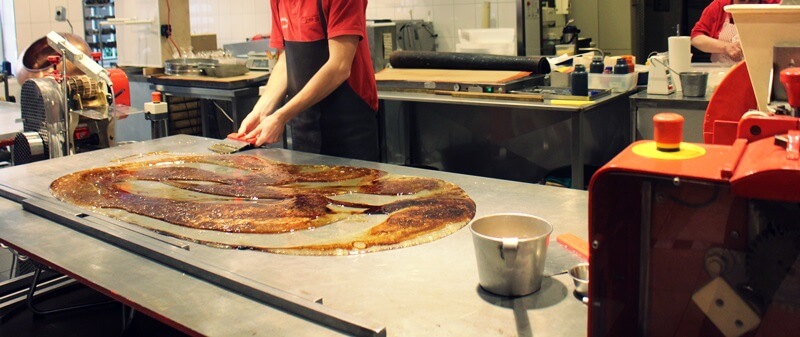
(734, 51)
(267, 131)
(249, 123)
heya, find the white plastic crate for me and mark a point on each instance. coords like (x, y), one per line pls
(615, 82)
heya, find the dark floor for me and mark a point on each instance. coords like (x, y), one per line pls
(101, 321)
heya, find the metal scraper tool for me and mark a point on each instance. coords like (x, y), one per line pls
(233, 144)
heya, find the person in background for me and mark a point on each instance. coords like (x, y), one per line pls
(324, 67)
(715, 32)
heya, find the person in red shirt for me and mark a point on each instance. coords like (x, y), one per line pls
(325, 68)
(715, 32)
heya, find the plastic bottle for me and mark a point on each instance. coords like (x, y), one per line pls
(596, 67)
(629, 61)
(621, 67)
(580, 81)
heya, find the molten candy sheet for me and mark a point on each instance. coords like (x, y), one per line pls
(239, 201)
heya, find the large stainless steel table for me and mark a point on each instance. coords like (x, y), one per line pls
(426, 290)
(530, 137)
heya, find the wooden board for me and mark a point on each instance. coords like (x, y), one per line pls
(450, 76)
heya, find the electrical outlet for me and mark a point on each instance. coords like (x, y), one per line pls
(166, 31)
(61, 13)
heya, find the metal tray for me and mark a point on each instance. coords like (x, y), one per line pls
(187, 66)
(562, 93)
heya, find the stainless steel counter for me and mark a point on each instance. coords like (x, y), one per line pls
(515, 140)
(426, 290)
(693, 109)
(10, 120)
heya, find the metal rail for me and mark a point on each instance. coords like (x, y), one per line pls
(169, 254)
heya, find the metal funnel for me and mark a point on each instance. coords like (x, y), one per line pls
(760, 28)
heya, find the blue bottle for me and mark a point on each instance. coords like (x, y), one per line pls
(596, 67)
(621, 68)
(580, 81)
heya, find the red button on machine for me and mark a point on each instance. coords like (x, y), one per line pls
(668, 131)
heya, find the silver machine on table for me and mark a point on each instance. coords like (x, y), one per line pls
(60, 111)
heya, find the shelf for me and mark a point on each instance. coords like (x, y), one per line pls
(94, 16)
(98, 5)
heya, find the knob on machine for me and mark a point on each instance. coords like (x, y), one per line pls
(790, 77)
(668, 131)
(668, 143)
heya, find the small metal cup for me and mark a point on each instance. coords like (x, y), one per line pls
(511, 250)
(580, 277)
(694, 83)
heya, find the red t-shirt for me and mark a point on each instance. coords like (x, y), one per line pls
(299, 21)
(713, 17)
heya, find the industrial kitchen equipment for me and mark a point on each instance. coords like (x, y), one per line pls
(704, 239)
(64, 114)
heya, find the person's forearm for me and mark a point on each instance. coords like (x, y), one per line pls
(329, 77)
(322, 84)
(708, 44)
(275, 90)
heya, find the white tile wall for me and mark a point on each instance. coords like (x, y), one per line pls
(235, 20)
(448, 16)
(232, 20)
(32, 20)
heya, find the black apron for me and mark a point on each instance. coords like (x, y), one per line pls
(342, 124)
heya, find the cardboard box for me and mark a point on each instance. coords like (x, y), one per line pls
(204, 42)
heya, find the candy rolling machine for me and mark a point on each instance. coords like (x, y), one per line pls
(64, 113)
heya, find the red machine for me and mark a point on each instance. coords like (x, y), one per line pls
(702, 241)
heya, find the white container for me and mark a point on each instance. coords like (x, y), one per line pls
(498, 41)
(715, 72)
(615, 82)
(500, 48)
(486, 35)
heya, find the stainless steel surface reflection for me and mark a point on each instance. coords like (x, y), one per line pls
(426, 290)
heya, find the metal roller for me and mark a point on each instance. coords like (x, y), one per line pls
(468, 61)
(84, 86)
(29, 147)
